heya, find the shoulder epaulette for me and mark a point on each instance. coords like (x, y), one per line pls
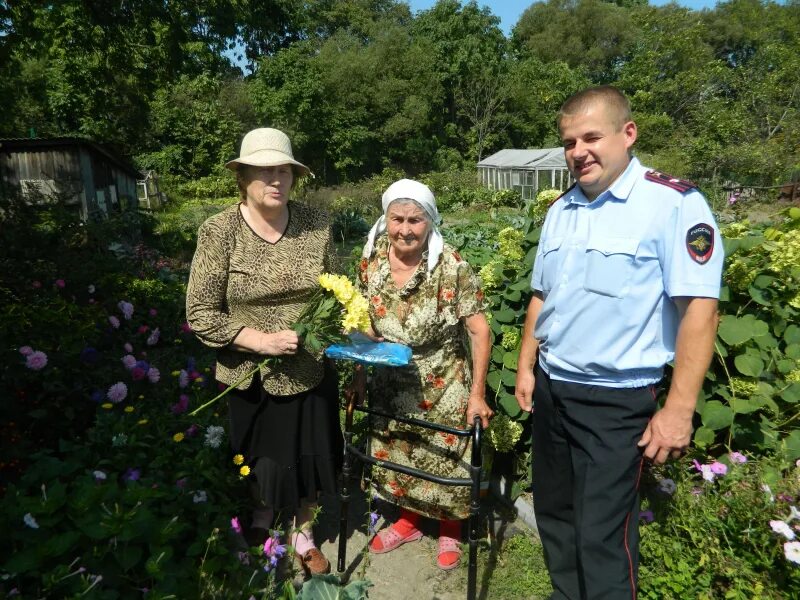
(681, 185)
(564, 193)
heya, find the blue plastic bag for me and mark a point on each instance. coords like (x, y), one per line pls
(367, 352)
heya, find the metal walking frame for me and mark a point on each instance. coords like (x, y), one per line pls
(474, 480)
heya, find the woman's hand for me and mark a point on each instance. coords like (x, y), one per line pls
(279, 343)
(477, 407)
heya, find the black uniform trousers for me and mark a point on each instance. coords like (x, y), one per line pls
(586, 470)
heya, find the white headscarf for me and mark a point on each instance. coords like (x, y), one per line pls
(420, 193)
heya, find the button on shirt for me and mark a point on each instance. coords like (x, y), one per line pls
(607, 270)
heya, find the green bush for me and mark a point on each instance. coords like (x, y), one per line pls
(710, 536)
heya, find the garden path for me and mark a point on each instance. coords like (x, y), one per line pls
(409, 571)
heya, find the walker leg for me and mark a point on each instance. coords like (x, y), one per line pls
(344, 496)
(474, 508)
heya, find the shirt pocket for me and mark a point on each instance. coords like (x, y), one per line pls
(609, 265)
(551, 264)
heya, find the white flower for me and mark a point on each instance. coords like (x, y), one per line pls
(783, 528)
(99, 475)
(708, 474)
(91, 289)
(199, 496)
(768, 491)
(30, 521)
(152, 339)
(794, 513)
(214, 435)
(126, 308)
(792, 552)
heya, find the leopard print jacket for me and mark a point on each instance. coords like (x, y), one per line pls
(239, 280)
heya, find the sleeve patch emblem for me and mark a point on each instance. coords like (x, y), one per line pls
(700, 242)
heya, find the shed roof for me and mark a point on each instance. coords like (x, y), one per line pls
(534, 158)
(43, 144)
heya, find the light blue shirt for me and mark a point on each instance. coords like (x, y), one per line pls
(608, 269)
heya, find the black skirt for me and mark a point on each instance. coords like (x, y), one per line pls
(293, 444)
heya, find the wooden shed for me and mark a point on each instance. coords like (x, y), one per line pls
(78, 172)
(526, 171)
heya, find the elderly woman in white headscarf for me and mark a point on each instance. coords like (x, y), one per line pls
(423, 294)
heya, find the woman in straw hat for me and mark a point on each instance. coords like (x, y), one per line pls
(423, 294)
(255, 267)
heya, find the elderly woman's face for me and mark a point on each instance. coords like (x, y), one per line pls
(407, 227)
(268, 187)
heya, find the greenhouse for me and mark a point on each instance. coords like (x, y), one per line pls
(526, 171)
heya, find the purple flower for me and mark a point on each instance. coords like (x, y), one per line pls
(89, 355)
(186, 328)
(718, 468)
(737, 457)
(235, 525)
(36, 361)
(181, 483)
(137, 373)
(117, 392)
(60, 283)
(153, 375)
(128, 348)
(181, 406)
(152, 312)
(192, 431)
(667, 486)
(646, 516)
(126, 308)
(708, 473)
(114, 321)
(373, 519)
(273, 550)
(132, 474)
(129, 361)
(26, 350)
(183, 379)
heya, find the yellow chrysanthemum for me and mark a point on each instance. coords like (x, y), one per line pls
(340, 285)
(244, 471)
(356, 314)
(178, 437)
(238, 459)
(107, 405)
(128, 409)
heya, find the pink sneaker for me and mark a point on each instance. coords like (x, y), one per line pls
(390, 539)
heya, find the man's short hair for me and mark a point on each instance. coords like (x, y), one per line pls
(615, 102)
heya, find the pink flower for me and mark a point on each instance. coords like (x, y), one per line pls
(60, 283)
(737, 457)
(235, 525)
(153, 375)
(181, 483)
(152, 340)
(186, 328)
(718, 468)
(192, 431)
(117, 392)
(142, 329)
(36, 361)
(138, 373)
(126, 308)
(114, 321)
(129, 361)
(36, 284)
(127, 347)
(152, 312)
(26, 350)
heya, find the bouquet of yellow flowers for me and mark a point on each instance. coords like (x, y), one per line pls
(335, 310)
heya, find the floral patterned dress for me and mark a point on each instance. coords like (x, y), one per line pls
(427, 314)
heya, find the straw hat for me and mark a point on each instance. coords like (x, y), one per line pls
(266, 147)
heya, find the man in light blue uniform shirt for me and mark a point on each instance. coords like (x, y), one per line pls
(625, 280)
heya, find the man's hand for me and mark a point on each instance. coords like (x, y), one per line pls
(523, 389)
(667, 434)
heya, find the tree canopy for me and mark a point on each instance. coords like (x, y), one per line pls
(360, 85)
